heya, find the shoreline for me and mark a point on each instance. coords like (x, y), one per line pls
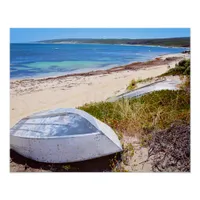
(28, 96)
(129, 66)
(188, 47)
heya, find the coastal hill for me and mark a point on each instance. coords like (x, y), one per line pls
(176, 42)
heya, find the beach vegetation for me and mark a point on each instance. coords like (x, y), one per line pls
(144, 80)
(185, 85)
(137, 116)
(132, 85)
(182, 68)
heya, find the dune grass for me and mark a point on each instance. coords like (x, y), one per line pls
(182, 68)
(144, 80)
(136, 116)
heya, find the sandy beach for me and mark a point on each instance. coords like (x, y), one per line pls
(32, 95)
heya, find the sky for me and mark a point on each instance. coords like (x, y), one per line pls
(23, 35)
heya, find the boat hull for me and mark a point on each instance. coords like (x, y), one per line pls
(158, 86)
(63, 135)
(66, 149)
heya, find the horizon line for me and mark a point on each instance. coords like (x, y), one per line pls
(96, 39)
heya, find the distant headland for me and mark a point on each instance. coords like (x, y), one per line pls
(169, 42)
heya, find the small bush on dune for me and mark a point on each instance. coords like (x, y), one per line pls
(184, 63)
(183, 68)
(132, 85)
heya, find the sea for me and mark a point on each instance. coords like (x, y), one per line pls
(44, 60)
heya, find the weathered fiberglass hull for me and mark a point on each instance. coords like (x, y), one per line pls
(63, 135)
(157, 86)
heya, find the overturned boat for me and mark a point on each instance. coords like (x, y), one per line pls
(166, 84)
(63, 135)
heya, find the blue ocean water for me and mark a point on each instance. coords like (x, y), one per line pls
(42, 60)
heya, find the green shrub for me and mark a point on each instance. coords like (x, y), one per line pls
(132, 85)
(183, 68)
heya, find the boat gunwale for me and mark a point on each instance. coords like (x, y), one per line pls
(60, 137)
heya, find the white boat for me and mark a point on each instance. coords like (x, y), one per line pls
(167, 84)
(63, 135)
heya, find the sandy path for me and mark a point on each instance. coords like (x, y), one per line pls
(27, 97)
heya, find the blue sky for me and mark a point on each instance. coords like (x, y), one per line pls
(21, 35)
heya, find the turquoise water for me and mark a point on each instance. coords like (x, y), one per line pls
(42, 60)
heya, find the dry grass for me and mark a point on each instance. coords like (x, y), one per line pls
(144, 80)
(134, 117)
